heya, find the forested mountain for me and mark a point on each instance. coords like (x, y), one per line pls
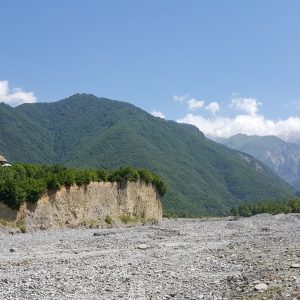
(282, 157)
(203, 177)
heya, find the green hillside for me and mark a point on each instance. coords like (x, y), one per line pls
(22, 139)
(253, 143)
(203, 177)
(282, 157)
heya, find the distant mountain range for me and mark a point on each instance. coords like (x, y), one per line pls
(203, 177)
(282, 157)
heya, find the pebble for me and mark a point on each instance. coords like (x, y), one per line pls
(142, 246)
(261, 287)
(178, 259)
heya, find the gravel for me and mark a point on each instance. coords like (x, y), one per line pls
(249, 258)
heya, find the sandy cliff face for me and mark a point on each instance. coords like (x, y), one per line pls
(75, 206)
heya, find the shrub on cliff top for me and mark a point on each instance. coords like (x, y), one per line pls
(24, 182)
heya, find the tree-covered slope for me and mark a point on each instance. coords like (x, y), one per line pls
(202, 176)
(282, 157)
(22, 139)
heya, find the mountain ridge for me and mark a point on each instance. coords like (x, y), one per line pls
(203, 177)
(280, 156)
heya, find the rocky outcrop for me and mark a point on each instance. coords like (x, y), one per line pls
(89, 205)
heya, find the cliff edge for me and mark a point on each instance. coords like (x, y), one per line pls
(88, 205)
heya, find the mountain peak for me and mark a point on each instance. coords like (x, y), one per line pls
(83, 130)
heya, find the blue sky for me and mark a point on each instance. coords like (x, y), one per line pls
(242, 55)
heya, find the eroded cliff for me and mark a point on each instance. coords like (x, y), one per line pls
(89, 205)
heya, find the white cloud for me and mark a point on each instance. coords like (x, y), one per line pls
(194, 104)
(181, 98)
(16, 96)
(159, 114)
(224, 127)
(247, 105)
(250, 123)
(213, 107)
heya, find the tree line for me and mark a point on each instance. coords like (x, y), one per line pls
(270, 207)
(27, 182)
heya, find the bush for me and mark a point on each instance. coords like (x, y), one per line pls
(34, 189)
(150, 177)
(271, 207)
(24, 182)
(109, 220)
(126, 219)
(12, 194)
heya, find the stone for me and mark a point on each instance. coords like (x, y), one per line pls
(296, 296)
(98, 234)
(228, 262)
(295, 266)
(261, 287)
(142, 246)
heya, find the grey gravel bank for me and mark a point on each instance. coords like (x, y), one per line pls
(249, 258)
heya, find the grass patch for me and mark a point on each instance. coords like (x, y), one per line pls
(13, 224)
(7, 223)
(26, 262)
(92, 223)
(271, 293)
(21, 225)
(126, 219)
(109, 220)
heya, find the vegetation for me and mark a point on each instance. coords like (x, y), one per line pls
(128, 219)
(83, 131)
(109, 220)
(24, 182)
(271, 207)
(22, 226)
(282, 157)
(13, 224)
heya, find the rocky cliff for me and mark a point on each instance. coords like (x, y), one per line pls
(89, 205)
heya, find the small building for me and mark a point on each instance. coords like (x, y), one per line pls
(4, 162)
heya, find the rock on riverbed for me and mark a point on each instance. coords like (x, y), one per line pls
(178, 259)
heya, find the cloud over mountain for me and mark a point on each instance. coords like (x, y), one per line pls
(159, 114)
(249, 122)
(16, 96)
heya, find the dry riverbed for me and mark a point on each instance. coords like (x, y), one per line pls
(249, 258)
